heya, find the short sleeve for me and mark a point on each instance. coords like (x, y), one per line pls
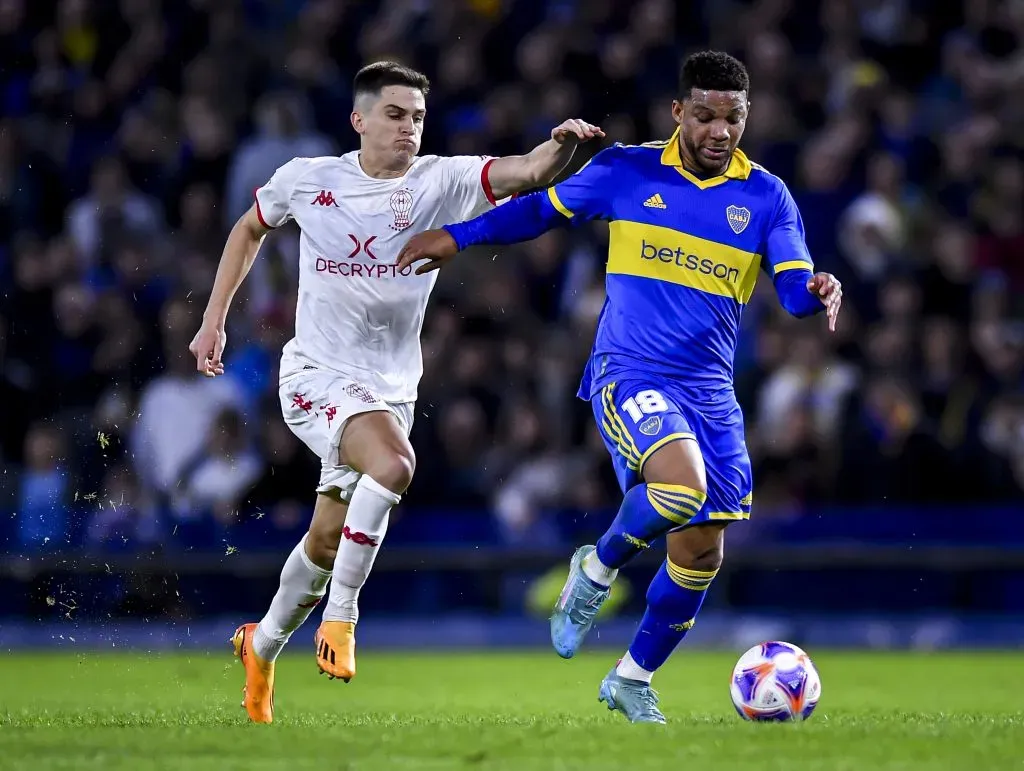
(274, 199)
(586, 194)
(787, 249)
(467, 186)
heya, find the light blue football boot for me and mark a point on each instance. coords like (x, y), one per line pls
(633, 698)
(577, 607)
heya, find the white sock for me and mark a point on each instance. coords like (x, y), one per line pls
(302, 586)
(631, 670)
(365, 525)
(597, 571)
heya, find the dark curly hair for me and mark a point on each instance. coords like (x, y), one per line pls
(712, 71)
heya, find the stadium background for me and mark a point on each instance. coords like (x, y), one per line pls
(142, 505)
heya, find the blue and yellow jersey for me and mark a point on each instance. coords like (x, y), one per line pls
(684, 254)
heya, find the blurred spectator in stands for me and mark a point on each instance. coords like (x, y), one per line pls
(45, 492)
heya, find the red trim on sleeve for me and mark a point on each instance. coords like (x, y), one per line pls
(259, 212)
(485, 181)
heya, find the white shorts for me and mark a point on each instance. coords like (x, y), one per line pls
(317, 404)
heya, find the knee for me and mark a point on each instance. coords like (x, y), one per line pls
(393, 470)
(699, 548)
(322, 546)
(708, 561)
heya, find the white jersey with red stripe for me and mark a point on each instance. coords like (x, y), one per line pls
(356, 314)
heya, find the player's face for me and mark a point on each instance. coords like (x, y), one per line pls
(711, 124)
(391, 125)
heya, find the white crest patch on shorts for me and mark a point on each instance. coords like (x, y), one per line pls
(362, 393)
(651, 426)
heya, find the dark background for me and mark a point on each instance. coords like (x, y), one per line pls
(889, 457)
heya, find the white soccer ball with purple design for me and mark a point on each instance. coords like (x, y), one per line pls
(775, 681)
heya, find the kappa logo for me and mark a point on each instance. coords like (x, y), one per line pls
(738, 218)
(325, 198)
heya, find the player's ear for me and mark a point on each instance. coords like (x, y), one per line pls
(678, 108)
(357, 122)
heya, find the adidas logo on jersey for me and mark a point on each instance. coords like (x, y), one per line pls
(655, 202)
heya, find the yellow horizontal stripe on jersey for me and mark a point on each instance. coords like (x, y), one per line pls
(793, 265)
(664, 254)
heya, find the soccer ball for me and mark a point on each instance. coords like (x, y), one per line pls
(775, 681)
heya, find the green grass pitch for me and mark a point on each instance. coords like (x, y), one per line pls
(500, 711)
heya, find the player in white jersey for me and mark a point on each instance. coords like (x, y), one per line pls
(350, 374)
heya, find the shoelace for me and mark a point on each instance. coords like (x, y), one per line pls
(580, 612)
(647, 696)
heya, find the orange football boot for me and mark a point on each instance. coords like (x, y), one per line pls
(258, 692)
(336, 649)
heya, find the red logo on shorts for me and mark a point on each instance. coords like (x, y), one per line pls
(330, 411)
(300, 401)
(361, 539)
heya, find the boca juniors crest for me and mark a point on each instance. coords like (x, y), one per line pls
(738, 217)
(651, 426)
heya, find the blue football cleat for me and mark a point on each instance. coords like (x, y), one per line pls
(633, 698)
(576, 608)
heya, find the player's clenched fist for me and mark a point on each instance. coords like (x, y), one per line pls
(830, 292)
(208, 348)
(435, 246)
(576, 131)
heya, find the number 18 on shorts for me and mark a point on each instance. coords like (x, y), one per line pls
(636, 418)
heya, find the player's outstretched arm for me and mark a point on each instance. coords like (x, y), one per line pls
(583, 196)
(521, 219)
(239, 254)
(515, 173)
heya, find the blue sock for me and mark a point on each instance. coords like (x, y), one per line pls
(673, 600)
(647, 511)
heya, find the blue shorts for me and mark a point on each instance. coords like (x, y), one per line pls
(638, 415)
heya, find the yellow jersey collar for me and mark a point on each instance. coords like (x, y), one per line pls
(739, 165)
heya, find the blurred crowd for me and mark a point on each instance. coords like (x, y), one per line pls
(133, 133)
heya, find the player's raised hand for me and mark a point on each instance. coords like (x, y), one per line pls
(208, 348)
(830, 292)
(435, 246)
(575, 131)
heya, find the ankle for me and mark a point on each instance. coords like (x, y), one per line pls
(597, 571)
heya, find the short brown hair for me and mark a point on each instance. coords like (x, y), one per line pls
(373, 78)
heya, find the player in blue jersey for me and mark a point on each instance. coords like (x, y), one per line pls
(691, 224)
